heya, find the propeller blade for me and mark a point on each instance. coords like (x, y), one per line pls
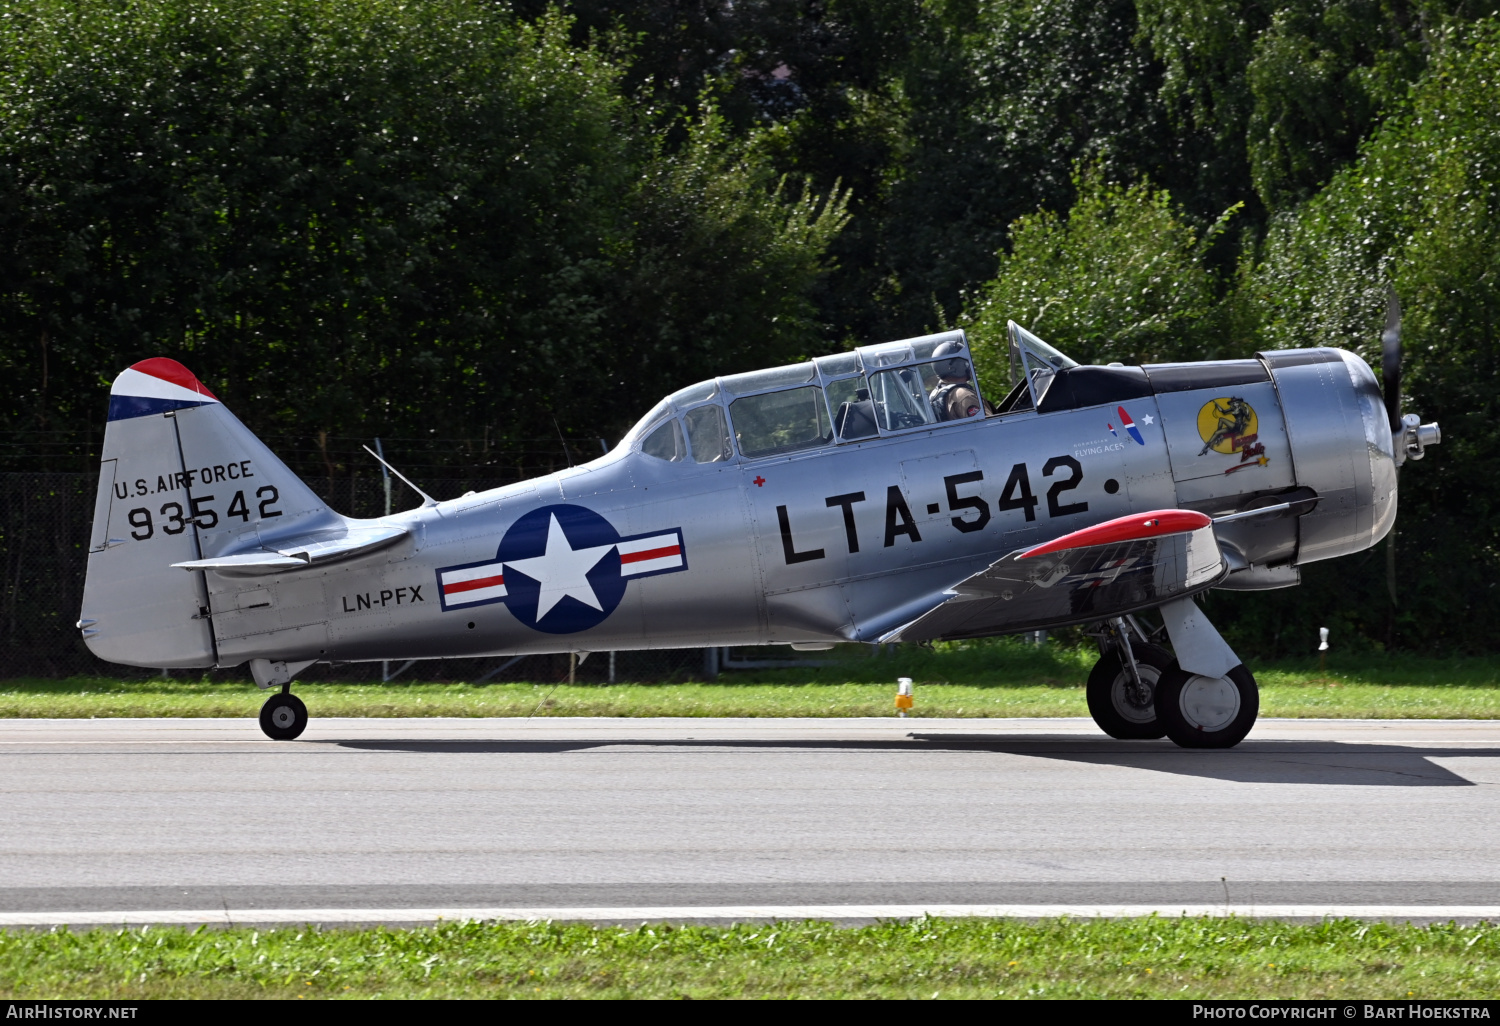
(1390, 374)
(1390, 360)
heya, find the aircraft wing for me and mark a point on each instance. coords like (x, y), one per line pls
(1110, 569)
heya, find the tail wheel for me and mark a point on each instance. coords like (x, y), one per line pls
(283, 717)
(1207, 712)
(1120, 707)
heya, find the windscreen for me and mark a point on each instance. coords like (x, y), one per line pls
(1035, 359)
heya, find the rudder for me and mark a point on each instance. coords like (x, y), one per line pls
(181, 479)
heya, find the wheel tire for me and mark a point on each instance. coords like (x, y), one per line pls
(283, 717)
(1207, 712)
(1109, 693)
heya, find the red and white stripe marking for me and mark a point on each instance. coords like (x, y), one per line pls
(473, 585)
(160, 378)
(650, 555)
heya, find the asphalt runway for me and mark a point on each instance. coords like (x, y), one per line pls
(407, 820)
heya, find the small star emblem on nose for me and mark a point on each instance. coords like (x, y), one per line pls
(759, 480)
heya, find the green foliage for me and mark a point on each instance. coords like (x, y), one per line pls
(1420, 212)
(1122, 277)
(463, 219)
(1320, 74)
(462, 210)
(712, 217)
(1155, 957)
(1204, 47)
(1278, 96)
(949, 120)
(1002, 99)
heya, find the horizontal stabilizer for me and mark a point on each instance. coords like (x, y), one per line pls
(296, 553)
(246, 563)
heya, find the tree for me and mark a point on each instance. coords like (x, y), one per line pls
(372, 219)
(1419, 212)
(1122, 277)
(1002, 99)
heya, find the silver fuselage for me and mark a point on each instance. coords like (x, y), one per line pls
(848, 541)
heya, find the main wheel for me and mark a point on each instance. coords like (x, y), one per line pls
(1207, 712)
(1120, 708)
(283, 717)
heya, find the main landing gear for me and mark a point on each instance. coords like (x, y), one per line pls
(1198, 711)
(1140, 690)
(1122, 686)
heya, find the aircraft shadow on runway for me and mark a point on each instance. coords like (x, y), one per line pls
(1253, 762)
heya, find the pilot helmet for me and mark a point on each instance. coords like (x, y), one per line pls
(951, 368)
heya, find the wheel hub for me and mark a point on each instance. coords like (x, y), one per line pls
(1209, 703)
(1136, 703)
(283, 716)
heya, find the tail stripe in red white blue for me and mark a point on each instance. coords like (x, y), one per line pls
(157, 385)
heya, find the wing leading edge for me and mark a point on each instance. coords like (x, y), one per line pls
(1109, 569)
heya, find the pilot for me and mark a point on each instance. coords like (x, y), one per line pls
(954, 398)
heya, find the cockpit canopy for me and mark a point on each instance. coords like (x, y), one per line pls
(870, 392)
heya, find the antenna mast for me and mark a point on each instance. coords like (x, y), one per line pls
(427, 500)
(385, 475)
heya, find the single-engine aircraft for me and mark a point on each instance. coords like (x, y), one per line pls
(843, 499)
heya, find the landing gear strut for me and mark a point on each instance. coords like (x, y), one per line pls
(1206, 699)
(283, 717)
(1123, 683)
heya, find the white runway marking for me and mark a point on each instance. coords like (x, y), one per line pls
(739, 913)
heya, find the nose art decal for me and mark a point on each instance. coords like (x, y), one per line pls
(1229, 425)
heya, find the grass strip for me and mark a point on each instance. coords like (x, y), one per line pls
(923, 958)
(84, 698)
(1003, 677)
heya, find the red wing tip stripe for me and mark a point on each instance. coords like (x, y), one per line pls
(477, 583)
(645, 554)
(1135, 527)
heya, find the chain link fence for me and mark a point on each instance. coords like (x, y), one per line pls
(44, 534)
(44, 530)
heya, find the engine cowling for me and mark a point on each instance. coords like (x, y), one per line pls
(1341, 448)
(1289, 425)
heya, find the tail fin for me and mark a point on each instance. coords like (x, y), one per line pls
(181, 480)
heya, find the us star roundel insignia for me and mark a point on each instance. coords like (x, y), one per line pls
(561, 569)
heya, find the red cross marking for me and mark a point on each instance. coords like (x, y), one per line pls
(759, 480)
